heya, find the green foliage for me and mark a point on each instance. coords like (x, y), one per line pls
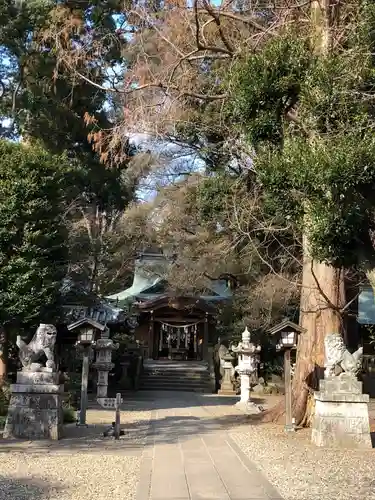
(333, 181)
(32, 234)
(264, 85)
(311, 121)
(211, 195)
(69, 415)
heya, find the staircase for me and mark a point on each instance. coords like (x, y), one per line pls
(183, 376)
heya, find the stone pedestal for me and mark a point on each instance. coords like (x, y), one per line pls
(341, 414)
(35, 408)
(245, 386)
(226, 388)
(245, 404)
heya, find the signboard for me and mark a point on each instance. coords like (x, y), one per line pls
(108, 402)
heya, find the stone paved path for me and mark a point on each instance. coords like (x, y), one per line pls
(190, 456)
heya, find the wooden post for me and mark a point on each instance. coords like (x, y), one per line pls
(205, 339)
(289, 423)
(117, 418)
(151, 340)
(84, 384)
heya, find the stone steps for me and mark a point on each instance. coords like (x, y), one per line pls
(174, 376)
(177, 376)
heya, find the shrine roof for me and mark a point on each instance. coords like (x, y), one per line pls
(178, 303)
(80, 303)
(149, 282)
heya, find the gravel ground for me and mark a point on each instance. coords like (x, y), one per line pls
(299, 470)
(84, 465)
(57, 477)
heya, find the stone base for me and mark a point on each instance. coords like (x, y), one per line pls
(249, 407)
(35, 408)
(226, 392)
(341, 414)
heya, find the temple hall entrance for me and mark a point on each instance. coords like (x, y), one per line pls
(179, 341)
(176, 328)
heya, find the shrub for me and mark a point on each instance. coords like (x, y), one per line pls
(69, 415)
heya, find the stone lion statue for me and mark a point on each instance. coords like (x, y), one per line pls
(43, 341)
(339, 358)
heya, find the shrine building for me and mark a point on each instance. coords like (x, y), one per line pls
(171, 327)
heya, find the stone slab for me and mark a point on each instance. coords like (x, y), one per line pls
(37, 388)
(37, 378)
(239, 476)
(342, 397)
(33, 423)
(202, 477)
(342, 384)
(168, 477)
(341, 424)
(36, 401)
(192, 457)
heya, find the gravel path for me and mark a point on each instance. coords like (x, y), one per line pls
(299, 470)
(84, 465)
(57, 477)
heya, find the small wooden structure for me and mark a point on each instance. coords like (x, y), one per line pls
(286, 338)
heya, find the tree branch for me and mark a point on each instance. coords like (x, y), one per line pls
(161, 86)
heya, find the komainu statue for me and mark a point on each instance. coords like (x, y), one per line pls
(42, 342)
(338, 358)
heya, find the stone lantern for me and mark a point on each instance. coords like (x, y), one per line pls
(103, 364)
(247, 368)
(226, 388)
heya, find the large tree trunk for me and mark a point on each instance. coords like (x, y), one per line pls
(322, 297)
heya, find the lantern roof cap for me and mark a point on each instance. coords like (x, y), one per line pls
(86, 321)
(285, 324)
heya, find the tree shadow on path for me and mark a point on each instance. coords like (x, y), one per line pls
(174, 418)
(161, 400)
(164, 430)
